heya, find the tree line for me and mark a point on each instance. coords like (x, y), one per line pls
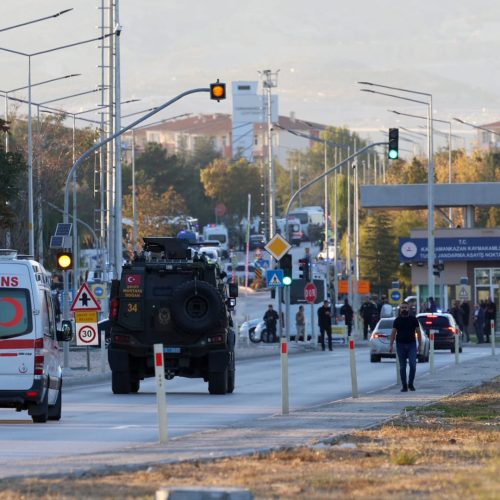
(169, 184)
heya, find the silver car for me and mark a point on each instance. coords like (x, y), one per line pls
(380, 340)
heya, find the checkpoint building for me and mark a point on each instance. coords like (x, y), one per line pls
(469, 257)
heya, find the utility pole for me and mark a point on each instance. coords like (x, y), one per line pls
(270, 80)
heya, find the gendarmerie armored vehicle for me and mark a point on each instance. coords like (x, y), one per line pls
(173, 296)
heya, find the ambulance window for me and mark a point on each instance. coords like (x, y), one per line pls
(50, 327)
(15, 312)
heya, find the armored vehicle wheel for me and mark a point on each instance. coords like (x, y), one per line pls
(135, 383)
(230, 381)
(120, 382)
(218, 382)
(197, 307)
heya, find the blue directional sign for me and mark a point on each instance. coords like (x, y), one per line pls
(274, 277)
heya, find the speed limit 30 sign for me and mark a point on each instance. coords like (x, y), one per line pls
(86, 334)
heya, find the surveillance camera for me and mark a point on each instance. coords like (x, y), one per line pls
(118, 30)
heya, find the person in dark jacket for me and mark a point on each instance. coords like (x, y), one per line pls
(406, 333)
(465, 308)
(490, 314)
(325, 324)
(367, 310)
(456, 312)
(271, 318)
(348, 313)
(479, 322)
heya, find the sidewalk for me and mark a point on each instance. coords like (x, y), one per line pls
(310, 427)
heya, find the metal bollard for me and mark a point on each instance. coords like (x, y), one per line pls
(284, 377)
(431, 354)
(492, 337)
(352, 362)
(457, 347)
(161, 398)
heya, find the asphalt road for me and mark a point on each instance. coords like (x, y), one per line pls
(95, 421)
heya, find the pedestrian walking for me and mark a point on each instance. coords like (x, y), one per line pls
(300, 324)
(490, 314)
(465, 308)
(366, 311)
(325, 325)
(479, 322)
(348, 313)
(456, 312)
(271, 318)
(406, 333)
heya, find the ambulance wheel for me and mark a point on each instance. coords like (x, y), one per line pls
(55, 411)
(40, 412)
(120, 382)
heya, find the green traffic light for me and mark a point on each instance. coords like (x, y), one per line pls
(393, 154)
(287, 281)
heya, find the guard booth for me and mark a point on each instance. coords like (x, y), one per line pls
(470, 263)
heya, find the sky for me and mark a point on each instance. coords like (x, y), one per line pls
(322, 48)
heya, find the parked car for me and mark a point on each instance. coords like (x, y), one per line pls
(247, 330)
(380, 341)
(444, 328)
(256, 241)
(213, 254)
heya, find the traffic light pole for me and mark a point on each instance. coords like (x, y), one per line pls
(77, 164)
(320, 177)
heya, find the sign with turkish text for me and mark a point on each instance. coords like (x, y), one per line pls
(450, 249)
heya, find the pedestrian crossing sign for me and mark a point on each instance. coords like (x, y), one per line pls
(274, 277)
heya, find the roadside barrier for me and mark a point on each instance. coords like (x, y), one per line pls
(161, 398)
(352, 362)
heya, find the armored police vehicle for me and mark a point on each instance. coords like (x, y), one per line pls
(172, 295)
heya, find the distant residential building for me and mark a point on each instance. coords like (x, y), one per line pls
(488, 140)
(183, 134)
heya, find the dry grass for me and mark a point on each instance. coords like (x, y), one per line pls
(447, 450)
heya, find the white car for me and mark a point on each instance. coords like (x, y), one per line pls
(212, 254)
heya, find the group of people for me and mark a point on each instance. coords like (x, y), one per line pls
(372, 311)
(481, 317)
(325, 321)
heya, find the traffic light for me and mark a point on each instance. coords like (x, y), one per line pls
(438, 267)
(217, 91)
(64, 260)
(393, 153)
(286, 266)
(304, 269)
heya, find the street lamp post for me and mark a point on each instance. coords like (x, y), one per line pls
(31, 236)
(430, 173)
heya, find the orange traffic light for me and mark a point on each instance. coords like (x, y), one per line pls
(217, 91)
(64, 261)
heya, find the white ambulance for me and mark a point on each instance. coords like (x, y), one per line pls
(30, 355)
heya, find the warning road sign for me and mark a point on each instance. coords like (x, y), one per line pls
(278, 246)
(86, 334)
(85, 300)
(274, 277)
(463, 292)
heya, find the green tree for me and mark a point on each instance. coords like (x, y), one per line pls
(12, 169)
(379, 261)
(230, 183)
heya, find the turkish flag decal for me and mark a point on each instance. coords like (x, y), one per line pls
(133, 279)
